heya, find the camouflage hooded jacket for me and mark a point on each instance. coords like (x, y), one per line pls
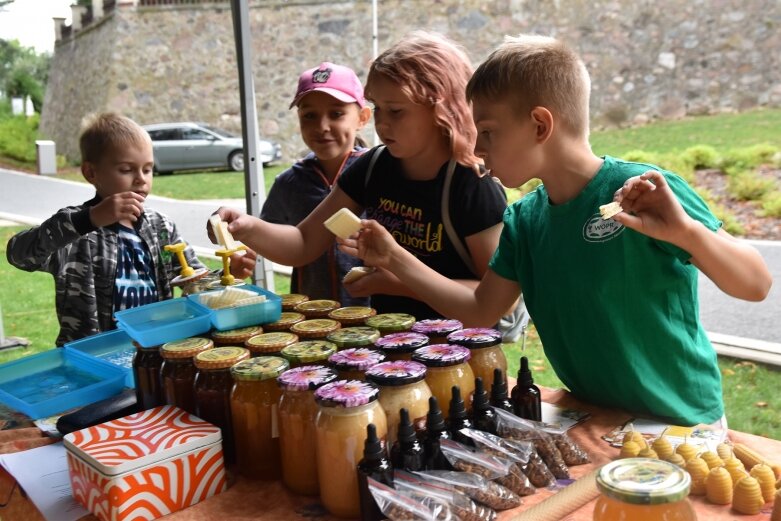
(83, 261)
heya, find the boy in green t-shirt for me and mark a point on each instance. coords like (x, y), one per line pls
(614, 300)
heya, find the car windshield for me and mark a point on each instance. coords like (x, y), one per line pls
(220, 132)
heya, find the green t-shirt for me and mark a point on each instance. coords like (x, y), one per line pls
(616, 310)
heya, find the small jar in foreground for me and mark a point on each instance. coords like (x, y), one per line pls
(270, 344)
(402, 384)
(297, 437)
(643, 489)
(400, 346)
(178, 370)
(346, 407)
(254, 400)
(447, 365)
(351, 364)
(147, 363)
(309, 352)
(485, 345)
(212, 388)
(317, 308)
(389, 323)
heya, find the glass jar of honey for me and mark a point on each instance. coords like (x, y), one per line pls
(402, 384)
(354, 336)
(270, 344)
(643, 489)
(447, 365)
(291, 300)
(213, 385)
(389, 323)
(285, 322)
(316, 328)
(178, 370)
(437, 329)
(254, 400)
(485, 345)
(317, 308)
(235, 337)
(399, 346)
(297, 413)
(351, 364)
(146, 371)
(352, 315)
(346, 407)
(309, 352)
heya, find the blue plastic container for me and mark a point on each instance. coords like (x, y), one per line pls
(155, 324)
(242, 316)
(115, 347)
(55, 381)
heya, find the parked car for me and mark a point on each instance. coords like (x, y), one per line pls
(189, 145)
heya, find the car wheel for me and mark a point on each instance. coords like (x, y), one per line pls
(236, 161)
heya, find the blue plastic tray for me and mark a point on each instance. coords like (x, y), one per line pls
(243, 316)
(155, 324)
(115, 347)
(55, 381)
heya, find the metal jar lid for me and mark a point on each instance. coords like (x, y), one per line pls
(399, 372)
(643, 481)
(441, 355)
(355, 359)
(346, 393)
(187, 348)
(352, 314)
(220, 357)
(309, 351)
(291, 300)
(260, 368)
(357, 336)
(306, 377)
(437, 326)
(315, 328)
(404, 342)
(476, 337)
(285, 322)
(270, 342)
(238, 336)
(391, 322)
(317, 308)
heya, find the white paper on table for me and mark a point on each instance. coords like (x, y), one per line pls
(43, 474)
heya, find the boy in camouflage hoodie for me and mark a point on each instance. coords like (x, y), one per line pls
(106, 254)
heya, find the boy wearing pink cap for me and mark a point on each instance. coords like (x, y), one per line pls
(331, 110)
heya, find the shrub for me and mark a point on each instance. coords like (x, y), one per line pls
(750, 186)
(735, 161)
(771, 204)
(640, 156)
(17, 137)
(679, 164)
(730, 224)
(701, 156)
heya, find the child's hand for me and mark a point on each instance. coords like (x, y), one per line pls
(238, 223)
(379, 281)
(242, 266)
(373, 244)
(651, 208)
(125, 206)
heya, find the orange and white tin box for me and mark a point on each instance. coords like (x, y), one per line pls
(145, 465)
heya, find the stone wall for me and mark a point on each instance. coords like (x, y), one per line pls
(648, 59)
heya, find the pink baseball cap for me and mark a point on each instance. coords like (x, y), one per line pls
(337, 80)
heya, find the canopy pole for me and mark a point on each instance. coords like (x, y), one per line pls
(254, 187)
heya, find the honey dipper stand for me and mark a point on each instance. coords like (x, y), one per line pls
(187, 273)
(227, 279)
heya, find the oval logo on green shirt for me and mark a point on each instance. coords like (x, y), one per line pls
(597, 229)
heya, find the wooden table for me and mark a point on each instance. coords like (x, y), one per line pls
(267, 501)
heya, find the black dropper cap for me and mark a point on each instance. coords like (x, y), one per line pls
(372, 448)
(435, 423)
(457, 410)
(480, 399)
(499, 387)
(406, 433)
(524, 374)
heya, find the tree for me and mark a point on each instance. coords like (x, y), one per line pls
(23, 72)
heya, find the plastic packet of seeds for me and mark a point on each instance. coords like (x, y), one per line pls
(483, 491)
(515, 428)
(461, 505)
(518, 452)
(401, 507)
(464, 459)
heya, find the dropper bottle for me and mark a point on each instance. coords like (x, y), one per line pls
(483, 416)
(457, 417)
(374, 465)
(499, 397)
(407, 453)
(526, 396)
(435, 431)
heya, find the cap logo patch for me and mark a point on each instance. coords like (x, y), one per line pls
(321, 75)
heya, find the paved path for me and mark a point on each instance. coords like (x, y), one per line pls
(31, 199)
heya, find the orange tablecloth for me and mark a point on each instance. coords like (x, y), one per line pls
(254, 500)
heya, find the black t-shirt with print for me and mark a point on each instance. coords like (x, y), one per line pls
(411, 212)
